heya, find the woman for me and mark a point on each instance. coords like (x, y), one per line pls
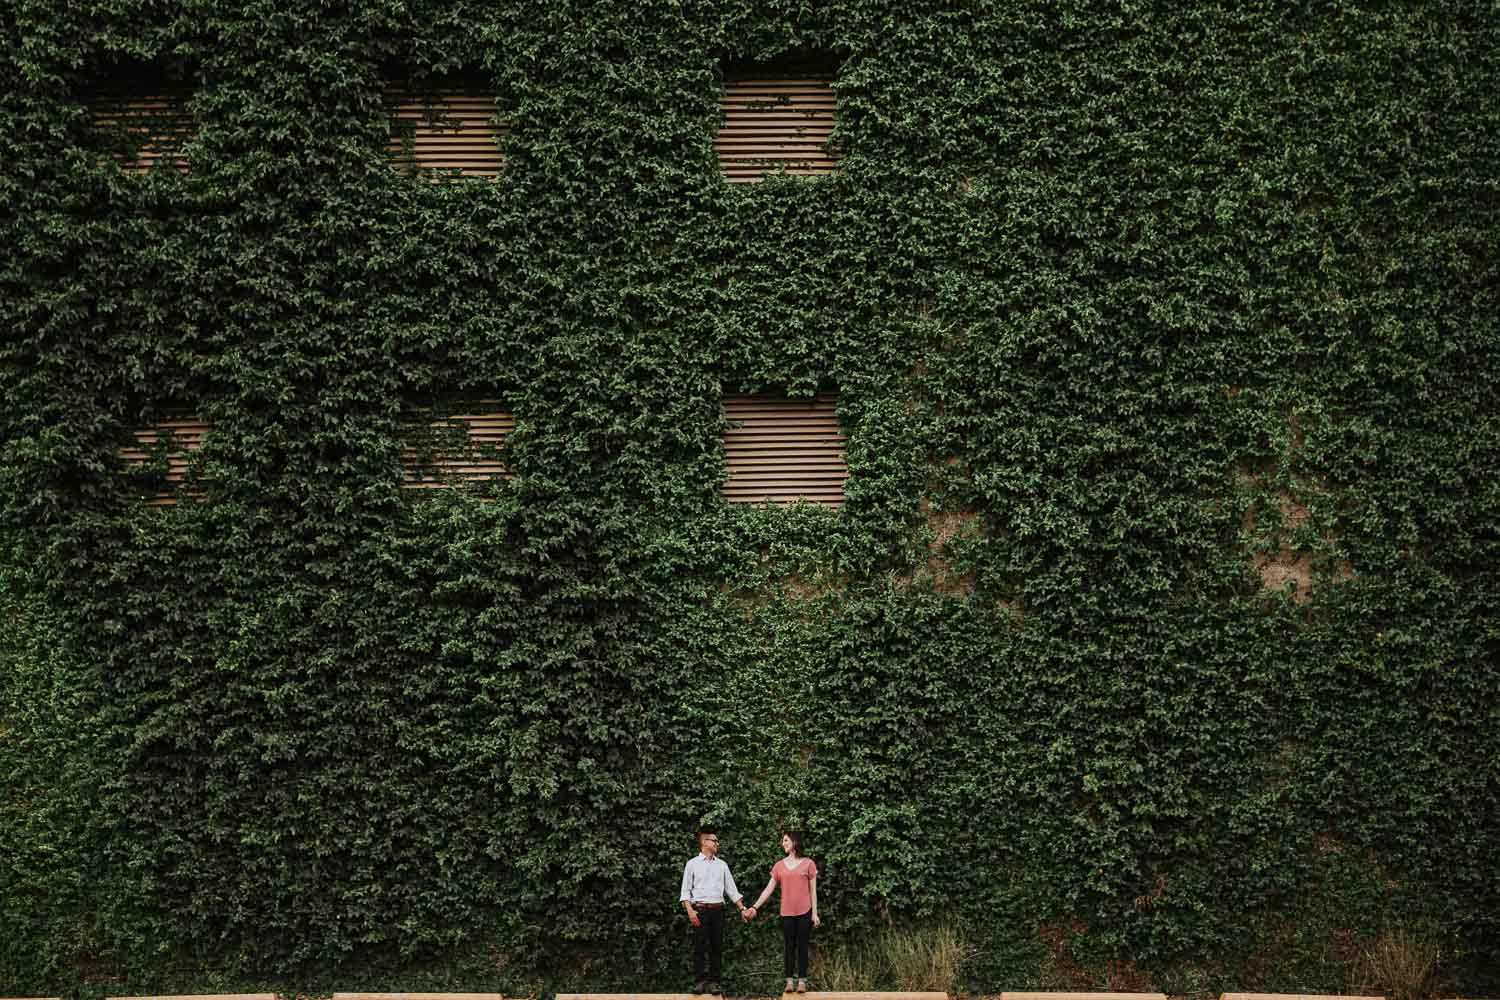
(798, 878)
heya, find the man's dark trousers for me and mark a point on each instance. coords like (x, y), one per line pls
(708, 944)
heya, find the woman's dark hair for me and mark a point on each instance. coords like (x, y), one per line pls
(795, 836)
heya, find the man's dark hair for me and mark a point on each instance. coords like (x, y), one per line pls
(704, 831)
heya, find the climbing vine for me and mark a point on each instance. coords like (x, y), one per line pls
(1154, 644)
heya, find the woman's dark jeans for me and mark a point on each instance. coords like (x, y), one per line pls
(794, 934)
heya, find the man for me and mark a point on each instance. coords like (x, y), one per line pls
(705, 882)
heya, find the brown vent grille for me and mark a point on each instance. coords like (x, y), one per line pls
(447, 131)
(781, 449)
(186, 434)
(464, 447)
(775, 125)
(151, 129)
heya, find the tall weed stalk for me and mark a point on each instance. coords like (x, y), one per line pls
(1401, 964)
(903, 958)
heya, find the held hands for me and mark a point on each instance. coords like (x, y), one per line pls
(749, 913)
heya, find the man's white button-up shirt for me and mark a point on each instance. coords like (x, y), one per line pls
(707, 880)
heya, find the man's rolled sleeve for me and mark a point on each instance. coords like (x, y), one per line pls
(687, 883)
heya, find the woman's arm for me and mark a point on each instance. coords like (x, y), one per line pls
(812, 888)
(765, 893)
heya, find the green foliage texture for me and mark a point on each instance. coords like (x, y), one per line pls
(1125, 303)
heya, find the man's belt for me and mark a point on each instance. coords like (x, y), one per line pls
(707, 906)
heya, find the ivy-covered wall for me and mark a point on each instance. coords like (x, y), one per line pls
(1155, 644)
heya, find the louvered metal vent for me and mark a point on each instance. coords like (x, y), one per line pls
(184, 435)
(781, 449)
(148, 129)
(775, 124)
(447, 131)
(464, 447)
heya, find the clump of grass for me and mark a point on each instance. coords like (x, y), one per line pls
(848, 967)
(901, 958)
(1402, 965)
(929, 958)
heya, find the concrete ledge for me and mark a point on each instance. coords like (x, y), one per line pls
(809, 995)
(201, 996)
(1082, 996)
(1293, 996)
(417, 996)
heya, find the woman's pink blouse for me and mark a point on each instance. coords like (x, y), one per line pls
(796, 886)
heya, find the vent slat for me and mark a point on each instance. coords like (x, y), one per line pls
(828, 453)
(776, 467)
(436, 468)
(157, 125)
(187, 434)
(780, 450)
(446, 131)
(779, 151)
(797, 135)
(775, 125)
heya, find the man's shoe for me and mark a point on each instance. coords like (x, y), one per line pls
(802, 986)
(714, 989)
(698, 988)
(791, 986)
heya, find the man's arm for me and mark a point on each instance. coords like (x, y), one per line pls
(686, 896)
(732, 890)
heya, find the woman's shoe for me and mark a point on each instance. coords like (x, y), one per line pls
(802, 986)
